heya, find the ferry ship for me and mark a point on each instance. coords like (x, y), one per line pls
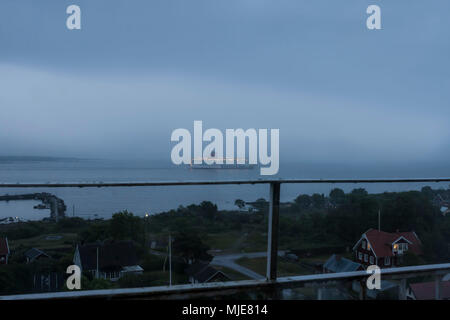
(224, 165)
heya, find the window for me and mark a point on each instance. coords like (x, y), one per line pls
(364, 244)
(400, 247)
(387, 261)
(371, 259)
(359, 255)
(366, 257)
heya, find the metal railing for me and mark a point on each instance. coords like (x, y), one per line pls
(272, 241)
(225, 288)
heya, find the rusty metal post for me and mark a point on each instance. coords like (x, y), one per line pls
(272, 235)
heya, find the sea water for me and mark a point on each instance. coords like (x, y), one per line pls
(103, 202)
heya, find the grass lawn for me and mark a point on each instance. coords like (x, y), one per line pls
(41, 242)
(225, 241)
(234, 242)
(254, 242)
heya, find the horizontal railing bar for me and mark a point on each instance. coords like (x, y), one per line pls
(283, 282)
(218, 182)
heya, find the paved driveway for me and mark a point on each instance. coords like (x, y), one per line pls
(228, 260)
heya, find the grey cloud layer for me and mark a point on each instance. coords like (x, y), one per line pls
(138, 70)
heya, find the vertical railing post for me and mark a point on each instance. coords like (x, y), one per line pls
(272, 234)
(362, 291)
(402, 290)
(437, 287)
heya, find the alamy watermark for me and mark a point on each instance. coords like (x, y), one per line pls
(74, 280)
(374, 281)
(213, 152)
(373, 22)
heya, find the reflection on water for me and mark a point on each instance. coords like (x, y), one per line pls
(23, 209)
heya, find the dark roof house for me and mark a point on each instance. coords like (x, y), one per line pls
(337, 263)
(203, 272)
(108, 260)
(35, 254)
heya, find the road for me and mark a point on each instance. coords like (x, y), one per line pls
(228, 261)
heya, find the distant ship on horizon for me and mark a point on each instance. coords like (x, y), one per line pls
(224, 165)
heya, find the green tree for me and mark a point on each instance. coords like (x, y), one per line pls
(337, 196)
(190, 247)
(318, 201)
(261, 205)
(360, 192)
(411, 259)
(427, 192)
(303, 201)
(152, 262)
(208, 209)
(125, 226)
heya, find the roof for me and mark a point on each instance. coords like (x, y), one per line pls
(33, 253)
(381, 242)
(385, 285)
(426, 290)
(4, 247)
(112, 255)
(202, 271)
(132, 269)
(339, 264)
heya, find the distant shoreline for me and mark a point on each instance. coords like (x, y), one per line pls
(37, 159)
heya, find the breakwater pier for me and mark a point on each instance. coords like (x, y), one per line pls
(49, 201)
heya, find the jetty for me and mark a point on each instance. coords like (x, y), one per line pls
(56, 205)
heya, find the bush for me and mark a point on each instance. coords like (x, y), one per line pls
(95, 284)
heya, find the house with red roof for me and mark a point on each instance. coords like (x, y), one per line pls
(385, 249)
(4, 251)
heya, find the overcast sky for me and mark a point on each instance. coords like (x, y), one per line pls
(139, 69)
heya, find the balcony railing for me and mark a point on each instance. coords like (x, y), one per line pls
(272, 283)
